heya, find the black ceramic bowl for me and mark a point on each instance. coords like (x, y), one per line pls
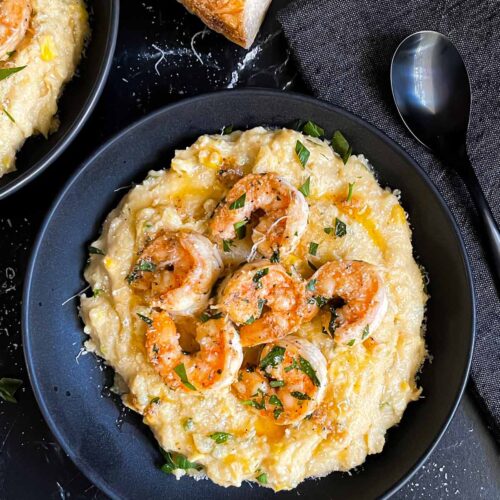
(122, 460)
(77, 101)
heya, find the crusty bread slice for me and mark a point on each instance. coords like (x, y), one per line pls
(238, 20)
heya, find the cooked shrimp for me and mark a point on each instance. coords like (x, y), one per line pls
(281, 210)
(14, 20)
(266, 301)
(214, 366)
(288, 383)
(356, 297)
(176, 271)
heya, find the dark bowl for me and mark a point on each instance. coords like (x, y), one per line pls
(77, 101)
(122, 459)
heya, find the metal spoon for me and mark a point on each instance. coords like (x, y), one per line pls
(431, 89)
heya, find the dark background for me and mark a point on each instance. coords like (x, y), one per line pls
(155, 65)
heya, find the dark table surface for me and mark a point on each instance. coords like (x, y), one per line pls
(163, 55)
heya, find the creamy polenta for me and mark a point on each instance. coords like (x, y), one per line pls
(46, 58)
(368, 383)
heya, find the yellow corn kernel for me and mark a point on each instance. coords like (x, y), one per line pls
(398, 215)
(108, 262)
(47, 48)
(210, 158)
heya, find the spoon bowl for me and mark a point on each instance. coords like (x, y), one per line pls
(432, 92)
(431, 89)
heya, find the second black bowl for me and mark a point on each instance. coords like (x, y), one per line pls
(77, 102)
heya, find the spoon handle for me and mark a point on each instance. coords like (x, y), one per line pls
(491, 231)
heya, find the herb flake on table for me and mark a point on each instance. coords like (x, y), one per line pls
(8, 387)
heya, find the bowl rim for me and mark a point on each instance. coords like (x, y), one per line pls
(84, 114)
(86, 468)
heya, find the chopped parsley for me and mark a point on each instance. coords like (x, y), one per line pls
(227, 129)
(340, 228)
(155, 401)
(6, 72)
(306, 367)
(146, 320)
(365, 332)
(226, 245)
(96, 292)
(9, 116)
(254, 404)
(351, 342)
(341, 146)
(311, 286)
(277, 383)
(275, 401)
(174, 461)
(143, 266)
(305, 189)
(310, 128)
(259, 275)
(302, 153)
(320, 301)
(328, 230)
(273, 358)
(221, 437)
(300, 395)
(275, 257)
(95, 250)
(262, 478)
(313, 248)
(207, 315)
(8, 387)
(181, 372)
(239, 203)
(351, 190)
(240, 228)
(249, 321)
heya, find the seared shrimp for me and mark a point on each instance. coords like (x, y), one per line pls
(288, 382)
(214, 366)
(14, 20)
(176, 271)
(266, 301)
(281, 209)
(355, 294)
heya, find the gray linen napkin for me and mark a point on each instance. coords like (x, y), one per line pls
(343, 49)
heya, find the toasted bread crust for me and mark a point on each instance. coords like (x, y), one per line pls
(224, 16)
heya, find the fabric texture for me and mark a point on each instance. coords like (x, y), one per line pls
(344, 48)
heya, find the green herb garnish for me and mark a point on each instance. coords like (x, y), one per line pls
(262, 478)
(366, 332)
(181, 372)
(254, 404)
(305, 189)
(95, 250)
(8, 387)
(155, 401)
(300, 395)
(249, 321)
(175, 461)
(240, 228)
(293, 366)
(259, 275)
(311, 286)
(277, 383)
(146, 320)
(340, 228)
(96, 292)
(302, 153)
(275, 257)
(273, 358)
(221, 437)
(207, 315)
(227, 129)
(6, 72)
(9, 116)
(260, 305)
(226, 245)
(188, 424)
(275, 401)
(351, 190)
(328, 230)
(306, 367)
(341, 146)
(310, 128)
(320, 301)
(351, 342)
(240, 202)
(313, 248)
